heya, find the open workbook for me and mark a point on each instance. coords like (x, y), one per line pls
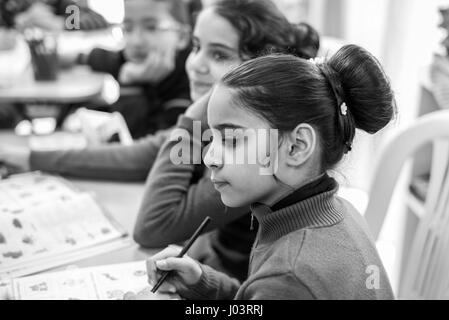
(46, 222)
(110, 282)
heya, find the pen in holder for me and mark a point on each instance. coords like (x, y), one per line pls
(44, 57)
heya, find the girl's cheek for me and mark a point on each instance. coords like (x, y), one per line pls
(219, 69)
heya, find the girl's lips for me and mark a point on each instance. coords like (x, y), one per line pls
(201, 85)
(219, 184)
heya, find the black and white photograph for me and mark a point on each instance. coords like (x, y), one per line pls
(224, 153)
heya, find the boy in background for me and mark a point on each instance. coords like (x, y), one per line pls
(150, 68)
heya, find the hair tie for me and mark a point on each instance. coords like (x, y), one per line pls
(337, 88)
(345, 120)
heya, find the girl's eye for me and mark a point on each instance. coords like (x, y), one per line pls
(151, 27)
(230, 141)
(219, 56)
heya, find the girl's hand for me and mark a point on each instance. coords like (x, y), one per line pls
(198, 109)
(16, 157)
(185, 270)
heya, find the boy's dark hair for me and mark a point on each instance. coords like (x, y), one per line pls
(10, 8)
(264, 29)
(287, 91)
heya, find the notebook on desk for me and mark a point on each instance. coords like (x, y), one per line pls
(109, 282)
(46, 222)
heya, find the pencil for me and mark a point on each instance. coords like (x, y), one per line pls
(183, 252)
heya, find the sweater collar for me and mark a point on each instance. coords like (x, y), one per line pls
(320, 210)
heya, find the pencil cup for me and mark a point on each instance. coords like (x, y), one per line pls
(44, 57)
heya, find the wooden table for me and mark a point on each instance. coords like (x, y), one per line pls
(75, 85)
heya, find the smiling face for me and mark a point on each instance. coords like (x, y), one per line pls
(215, 52)
(239, 183)
(147, 26)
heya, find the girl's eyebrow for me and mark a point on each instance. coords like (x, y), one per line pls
(222, 46)
(224, 126)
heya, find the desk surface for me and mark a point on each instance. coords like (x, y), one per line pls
(72, 86)
(122, 200)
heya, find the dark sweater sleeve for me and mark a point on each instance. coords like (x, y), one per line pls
(105, 61)
(213, 285)
(173, 206)
(112, 162)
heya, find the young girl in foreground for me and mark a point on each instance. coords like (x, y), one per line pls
(310, 244)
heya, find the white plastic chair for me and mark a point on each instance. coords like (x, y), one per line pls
(427, 265)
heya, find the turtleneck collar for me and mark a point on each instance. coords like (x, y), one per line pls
(313, 205)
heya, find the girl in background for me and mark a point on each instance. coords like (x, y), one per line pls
(179, 197)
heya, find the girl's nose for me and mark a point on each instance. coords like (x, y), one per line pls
(197, 63)
(135, 37)
(213, 158)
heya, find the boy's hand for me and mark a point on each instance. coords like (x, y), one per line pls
(16, 157)
(185, 270)
(68, 59)
(157, 66)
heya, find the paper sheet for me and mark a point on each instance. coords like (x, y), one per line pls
(44, 222)
(109, 282)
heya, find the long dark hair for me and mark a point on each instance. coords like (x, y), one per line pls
(263, 29)
(347, 92)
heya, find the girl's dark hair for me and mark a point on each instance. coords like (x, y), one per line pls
(287, 91)
(264, 29)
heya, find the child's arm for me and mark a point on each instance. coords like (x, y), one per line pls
(111, 162)
(212, 285)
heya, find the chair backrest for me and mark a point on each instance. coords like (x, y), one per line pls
(426, 272)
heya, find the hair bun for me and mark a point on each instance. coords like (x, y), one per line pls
(367, 90)
(306, 40)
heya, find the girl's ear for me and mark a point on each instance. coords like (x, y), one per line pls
(301, 145)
